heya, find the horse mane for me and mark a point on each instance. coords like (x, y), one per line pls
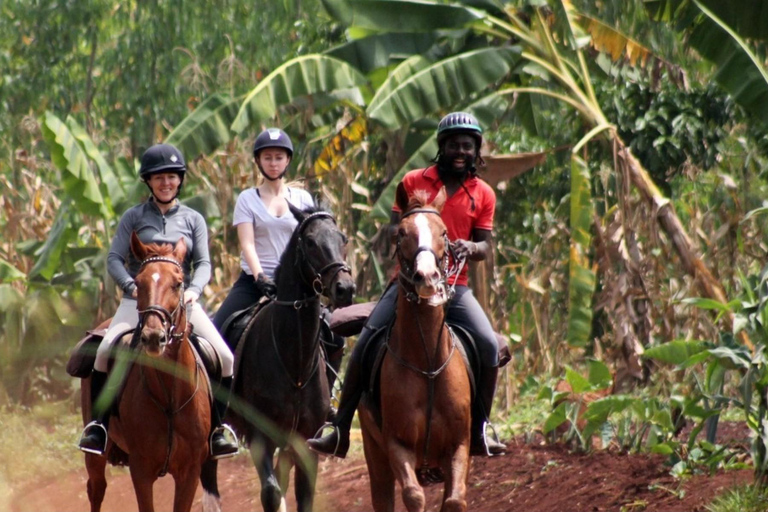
(307, 211)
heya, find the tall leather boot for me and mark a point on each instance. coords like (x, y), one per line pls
(481, 412)
(221, 446)
(94, 436)
(337, 442)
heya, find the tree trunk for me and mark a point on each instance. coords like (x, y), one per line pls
(670, 223)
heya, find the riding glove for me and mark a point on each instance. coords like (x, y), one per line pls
(265, 285)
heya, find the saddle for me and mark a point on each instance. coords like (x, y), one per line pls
(83, 355)
(350, 321)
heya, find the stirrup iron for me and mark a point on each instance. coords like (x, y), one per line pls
(335, 430)
(92, 425)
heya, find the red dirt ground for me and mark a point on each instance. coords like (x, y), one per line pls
(530, 478)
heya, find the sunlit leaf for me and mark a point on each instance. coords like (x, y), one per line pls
(298, 77)
(207, 127)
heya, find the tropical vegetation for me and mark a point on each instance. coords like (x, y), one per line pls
(626, 141)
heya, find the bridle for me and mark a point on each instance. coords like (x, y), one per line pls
(316, 282)
(407, 268)
(170, 319)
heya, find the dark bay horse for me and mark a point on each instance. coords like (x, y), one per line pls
(280, 373)
(422, 420)
(162, 419)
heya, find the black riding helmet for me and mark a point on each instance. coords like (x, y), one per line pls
(459, 123)
(162, 158)
(272, 138)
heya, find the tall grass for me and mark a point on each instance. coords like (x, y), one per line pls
(36, 444)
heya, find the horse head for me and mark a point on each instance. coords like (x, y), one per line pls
(422, 247)
(322, 255)
(160, 289)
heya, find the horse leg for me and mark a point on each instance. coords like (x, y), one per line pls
(456, 469)
(210, 482)
(185, 485)
(381, 476)
(143, 478)
(402, 463)
(262, 453)
(304, 481)
(97, 481)
(283, 468)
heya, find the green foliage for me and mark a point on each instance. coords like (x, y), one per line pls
(667, 126)
(743, 498)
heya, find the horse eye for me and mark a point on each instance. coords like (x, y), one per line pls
(344, 239)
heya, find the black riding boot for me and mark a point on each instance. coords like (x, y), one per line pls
(481, 412)
(94, 437)
(221, 446)
(337, 442)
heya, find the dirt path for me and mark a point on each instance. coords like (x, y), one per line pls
(531, 478)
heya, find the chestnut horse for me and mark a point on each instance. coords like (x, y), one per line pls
(162, 418)
(281, 390)
(422, 422)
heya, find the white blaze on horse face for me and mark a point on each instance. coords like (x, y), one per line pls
(425, 260)
(155, 277)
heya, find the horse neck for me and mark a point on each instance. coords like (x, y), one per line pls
(419, 334)
(296, 330)
(181, 379)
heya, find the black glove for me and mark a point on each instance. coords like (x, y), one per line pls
(265, 285)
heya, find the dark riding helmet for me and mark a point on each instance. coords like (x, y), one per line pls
(272, 138)
(162, 158)
(459, 122)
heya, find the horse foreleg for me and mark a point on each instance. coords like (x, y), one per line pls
(184, 489)
(304, 481)
(380, 473)
(456, 469)
(262, 453)
(97, 481)
(403, 463)
(143, 487)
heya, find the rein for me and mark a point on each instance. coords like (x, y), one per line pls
(319, 289)
(406, 279)
(170, 322)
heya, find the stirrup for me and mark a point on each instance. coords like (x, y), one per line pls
(486, 425)
(88, 427)
(224, 429)
(336, 431)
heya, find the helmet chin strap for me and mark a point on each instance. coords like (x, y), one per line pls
(445, 167)
(157, 200)
(268, 178)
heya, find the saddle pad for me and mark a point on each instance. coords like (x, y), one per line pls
(83, 354)
(349, 321)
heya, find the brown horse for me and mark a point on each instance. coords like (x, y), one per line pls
(162, 417)
(422, 422)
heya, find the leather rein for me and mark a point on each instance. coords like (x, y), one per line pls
(170, 322)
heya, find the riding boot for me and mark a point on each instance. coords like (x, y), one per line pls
(221, 446)
(94, 436)
(481, 411)
(337, 442)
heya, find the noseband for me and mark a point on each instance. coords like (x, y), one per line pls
(169, 319)
(337, 266)
(407, 268)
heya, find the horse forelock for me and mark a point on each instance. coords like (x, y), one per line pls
(419, 199)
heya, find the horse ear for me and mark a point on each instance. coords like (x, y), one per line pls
(297, 213)
(180, 249)
(137, 248)
(439, 201)
(401, 197)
